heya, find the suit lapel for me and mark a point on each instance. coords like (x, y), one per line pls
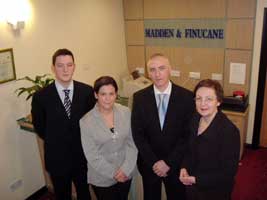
(152, 106)
(75, 99)
(56, 96)
(194, 124)
(171, 105)
(100, 120)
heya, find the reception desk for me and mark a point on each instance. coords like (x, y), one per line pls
(240, 119)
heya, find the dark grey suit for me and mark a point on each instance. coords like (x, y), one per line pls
(167, 144)
(64, 156)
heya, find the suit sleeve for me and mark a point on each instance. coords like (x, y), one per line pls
(230, 145)
(187, 161)
(38, 116)
(138, 132)
(91, 99)
(176, 156)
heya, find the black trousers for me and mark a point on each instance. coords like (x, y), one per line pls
(195, 193)
(62, 185)
(119, 191)
(175, 190)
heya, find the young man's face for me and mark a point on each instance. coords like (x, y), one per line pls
(64, 69)
(159, 70)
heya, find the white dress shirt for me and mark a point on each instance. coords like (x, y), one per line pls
(167, 91)
(61, 93)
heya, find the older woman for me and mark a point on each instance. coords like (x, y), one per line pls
(211, 161)
(107, 143)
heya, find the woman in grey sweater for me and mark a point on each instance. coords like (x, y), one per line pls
(107, 143)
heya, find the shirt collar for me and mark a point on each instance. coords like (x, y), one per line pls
(166, 91)
(61, 88)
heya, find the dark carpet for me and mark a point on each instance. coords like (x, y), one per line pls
(48, 196)
(251, 179)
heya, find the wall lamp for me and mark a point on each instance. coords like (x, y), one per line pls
(15, 12)
(16, 25)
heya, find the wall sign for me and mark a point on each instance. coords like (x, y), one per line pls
(204, 33)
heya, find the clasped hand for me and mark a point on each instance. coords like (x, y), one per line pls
(185, 178)
(120, 176)
(161, 168)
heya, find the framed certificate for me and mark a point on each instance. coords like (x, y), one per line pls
(7, 66)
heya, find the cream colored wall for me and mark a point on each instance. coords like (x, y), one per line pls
(261, 4)
(94, 31)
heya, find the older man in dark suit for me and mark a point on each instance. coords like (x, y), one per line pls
(56, 111)
(160, 117)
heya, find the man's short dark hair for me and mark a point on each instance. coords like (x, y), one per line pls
(61, 52)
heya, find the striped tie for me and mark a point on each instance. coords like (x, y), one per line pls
(67, 102)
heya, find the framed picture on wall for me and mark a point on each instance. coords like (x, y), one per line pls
(7, 66)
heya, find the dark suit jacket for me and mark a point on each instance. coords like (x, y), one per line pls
(153, 143)
(61, 135)
(213, 156)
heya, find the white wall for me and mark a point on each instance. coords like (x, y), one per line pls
(261, 4)
(94, 31)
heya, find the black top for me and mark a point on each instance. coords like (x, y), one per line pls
(213, 156)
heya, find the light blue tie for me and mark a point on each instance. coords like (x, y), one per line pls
(162, 108)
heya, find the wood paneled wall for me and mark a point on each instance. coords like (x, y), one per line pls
(240, 20)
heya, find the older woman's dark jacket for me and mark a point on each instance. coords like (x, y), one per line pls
(212, 157)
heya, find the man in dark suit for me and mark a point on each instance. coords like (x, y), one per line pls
(56, 111)
(160, 118)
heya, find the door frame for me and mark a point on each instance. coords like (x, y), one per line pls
(263, 130)
(261, 5)
(261, 85)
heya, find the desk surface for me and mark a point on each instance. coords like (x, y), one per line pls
(242, 114)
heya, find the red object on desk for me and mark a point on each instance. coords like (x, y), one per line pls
(239, 94)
